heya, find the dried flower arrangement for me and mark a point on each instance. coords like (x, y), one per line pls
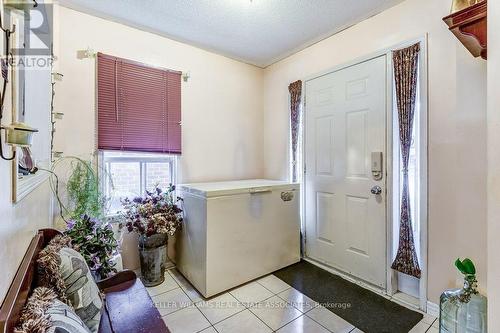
(156, 213)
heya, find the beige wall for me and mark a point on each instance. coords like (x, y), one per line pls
(457, 125)
(221, 103)
(493, 165)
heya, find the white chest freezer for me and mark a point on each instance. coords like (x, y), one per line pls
(237, 231)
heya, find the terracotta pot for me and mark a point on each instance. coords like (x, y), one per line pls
(152, 255)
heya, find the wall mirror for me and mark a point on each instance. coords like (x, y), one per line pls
(29, 92)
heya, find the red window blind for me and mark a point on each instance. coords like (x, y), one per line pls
(139, 106)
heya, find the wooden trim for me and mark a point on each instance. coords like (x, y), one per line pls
(48, 234)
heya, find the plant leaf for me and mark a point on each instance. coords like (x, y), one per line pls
(469, 266)
(460, 266)
(465, 266)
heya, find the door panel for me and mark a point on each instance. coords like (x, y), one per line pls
(357, 163)
(324, 211)
(345, 122)
(357, 225)
(324, 146)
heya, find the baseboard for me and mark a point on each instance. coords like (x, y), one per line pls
(406, 300)
(432, 309)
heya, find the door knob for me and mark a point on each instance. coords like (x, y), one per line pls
(376, 190)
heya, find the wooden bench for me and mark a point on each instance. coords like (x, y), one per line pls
(127, 304)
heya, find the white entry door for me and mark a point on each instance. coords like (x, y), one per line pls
(345, 122)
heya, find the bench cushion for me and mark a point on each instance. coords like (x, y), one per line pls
(130, 309)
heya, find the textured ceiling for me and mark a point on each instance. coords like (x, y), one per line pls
(258, 32)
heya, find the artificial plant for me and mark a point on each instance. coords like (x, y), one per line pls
(96, 243)
(467, 268)
(84, 216)
(85, 197)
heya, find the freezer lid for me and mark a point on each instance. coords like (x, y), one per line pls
(216, 189)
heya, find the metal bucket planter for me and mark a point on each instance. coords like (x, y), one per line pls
(152, 253)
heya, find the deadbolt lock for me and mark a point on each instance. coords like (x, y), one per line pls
(377, 165)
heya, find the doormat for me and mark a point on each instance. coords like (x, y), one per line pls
(362, 308)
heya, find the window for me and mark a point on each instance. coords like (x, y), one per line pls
(138, 127)
(130, 174)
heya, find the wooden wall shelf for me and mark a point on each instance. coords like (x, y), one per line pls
(470, 26)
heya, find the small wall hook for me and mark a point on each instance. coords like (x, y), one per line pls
(57, 76)
(7, 158)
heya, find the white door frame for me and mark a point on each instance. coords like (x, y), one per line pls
(392, 282)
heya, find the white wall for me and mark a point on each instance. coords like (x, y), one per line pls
(221, 103)
(493, 165)
(457, 125)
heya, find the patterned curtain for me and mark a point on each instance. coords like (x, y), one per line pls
(405, 76)
(295, 90)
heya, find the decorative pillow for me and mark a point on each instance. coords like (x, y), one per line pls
(44, 313)
(81, 289)
(65, 270)
(48, 267)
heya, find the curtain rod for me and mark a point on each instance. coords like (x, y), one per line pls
(91, 54)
